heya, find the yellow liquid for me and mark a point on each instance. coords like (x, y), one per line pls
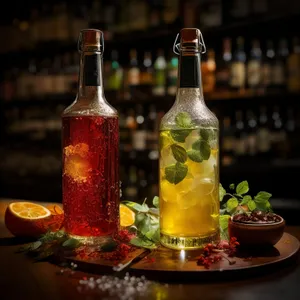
(189, 210)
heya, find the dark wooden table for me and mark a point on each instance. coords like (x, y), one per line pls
(20, 278)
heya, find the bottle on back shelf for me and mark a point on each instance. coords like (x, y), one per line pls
(293, 65)
(152, 128)
(254, 66)
(278, 134)
(263, 133)
(208, 69)
(160, 65)
(131, 190)
(58, 80)
(267, 66)
(223, 67)
(240, 135)
(147, 70)
(172, 74)
(251, 129)
(238, 68)
(279, 67)
(292, 134)
(227, 142)
(140, 134)
(133, 76)
(116, 78)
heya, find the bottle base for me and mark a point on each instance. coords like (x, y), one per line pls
(91, 240)
(188, 243)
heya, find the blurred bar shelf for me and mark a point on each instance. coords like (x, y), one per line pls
(150, 99)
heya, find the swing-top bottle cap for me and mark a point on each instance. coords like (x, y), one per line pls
(91, 40)
(191, 40)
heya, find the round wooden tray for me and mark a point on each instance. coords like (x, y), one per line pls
(166, 264)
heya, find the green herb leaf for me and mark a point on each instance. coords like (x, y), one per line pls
(251, 205)
(183, 120)
(262, 197)
(143, 242)
(176, 172)
(195, 155)
(207, 134)
(139, 217)
(34, 246)
(203, 147)
(246, 199)
(232, 186)
(232, 204)
(222, 192)
(180, 135)
(155, 201)
(154, 211)
(145, 225)
(71, 243)
(224, 219)
(179, 153)
(242, 187)
(136, 206)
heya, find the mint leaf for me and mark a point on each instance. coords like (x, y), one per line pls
(144, 225)
(136, 206)
(262, 197)
(224, 219)
(208, 134)
(179, 153)
(71, 243)
(203, 147)
(156, 201)
(242, 187)
(222, 192)
(195, 155)
(232, 186)
(142, 242)
(246, 199)
(180, 135)
(232, 204)
(224, 227)
(139, 218)
(183, 120)
(154, 211)
(251, 205)
(176, 172)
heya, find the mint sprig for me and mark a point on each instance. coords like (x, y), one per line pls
(240, 202)
(146, 224)
(184, 120)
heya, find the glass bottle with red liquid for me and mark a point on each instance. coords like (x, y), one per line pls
(90, 141)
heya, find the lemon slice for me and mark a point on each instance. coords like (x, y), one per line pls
(127, 216)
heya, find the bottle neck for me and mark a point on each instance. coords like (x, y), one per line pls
(90, 76)
(189, 70)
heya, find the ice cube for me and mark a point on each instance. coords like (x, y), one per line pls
(203, 185)
(186, 200)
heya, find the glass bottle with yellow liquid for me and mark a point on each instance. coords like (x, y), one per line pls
(189, 157)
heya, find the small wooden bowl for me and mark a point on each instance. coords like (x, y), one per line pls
(256, 234)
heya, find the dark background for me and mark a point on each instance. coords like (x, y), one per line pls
(39, 46)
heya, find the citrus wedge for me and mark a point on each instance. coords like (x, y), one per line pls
(127, 216)
(26, 219)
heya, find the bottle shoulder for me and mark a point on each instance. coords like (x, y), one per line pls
(87, 107)
(193, 112)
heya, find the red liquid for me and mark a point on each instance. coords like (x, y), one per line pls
(91, 175)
